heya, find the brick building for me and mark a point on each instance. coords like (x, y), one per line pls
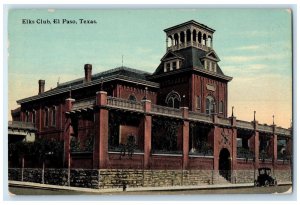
(174, 119)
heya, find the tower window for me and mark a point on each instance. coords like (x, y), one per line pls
(209, 105)
(221, 107)
(174, 65)
(173, 99)
(168, 66)
(198, 102)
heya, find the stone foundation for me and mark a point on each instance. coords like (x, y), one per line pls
(119, 178)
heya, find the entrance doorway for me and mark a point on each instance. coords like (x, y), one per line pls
(225, 164)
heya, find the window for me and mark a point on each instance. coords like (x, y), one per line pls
(33, 116)
(198, 102)
(209, 108)
(207, 65)
(173, 99)
(221, 107)
(46, 117)
(174, 65)
(26, 116)
(168, 66)
(53, 117)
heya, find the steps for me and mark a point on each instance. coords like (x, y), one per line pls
(218, 179)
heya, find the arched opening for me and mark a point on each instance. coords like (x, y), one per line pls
(199, 37)
(209, 41)
(170, 41)
(204, 39)
(181, 37)
(194, 35)
(176, 38)
(225, 164)
(188, 35)
(173, 100)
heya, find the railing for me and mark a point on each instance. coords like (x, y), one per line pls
(282, 131)
(224, 121)
(156, 109)
(125, 104)
(244, 125)
(190, 43)
(264, 128)
(199, 116)
(84, 103)
(20, 125)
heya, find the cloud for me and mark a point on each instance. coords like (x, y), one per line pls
(244, 68)
(251, 47)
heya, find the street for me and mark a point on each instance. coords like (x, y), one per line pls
(247, 190)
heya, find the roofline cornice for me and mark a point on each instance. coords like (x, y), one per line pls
(92, 83)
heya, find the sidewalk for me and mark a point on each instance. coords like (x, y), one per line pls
(131, 189)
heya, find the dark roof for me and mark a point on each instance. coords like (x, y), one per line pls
(120, 73)
(129, 72)
(190, 22)
(189, 53)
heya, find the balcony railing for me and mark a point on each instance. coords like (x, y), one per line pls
(21, 125)
(264, 128)
(162, 110)
(244, 125)
(282, 131)
(200, 117)
(224, 121)
(125, 104)
(190, 43)
(84, 103)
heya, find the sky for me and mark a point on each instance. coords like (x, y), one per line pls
(254, 46)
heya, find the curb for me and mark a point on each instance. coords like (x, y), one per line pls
(132, 189)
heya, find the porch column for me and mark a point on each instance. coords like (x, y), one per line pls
(100, 155)
(256, 145)
(234, 148)
(68, 131)
(147, 133)
(185, 137)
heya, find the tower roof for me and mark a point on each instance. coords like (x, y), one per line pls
(191, 22)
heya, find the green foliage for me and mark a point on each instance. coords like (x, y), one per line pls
(39, 150)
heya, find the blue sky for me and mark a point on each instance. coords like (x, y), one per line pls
(254, 46)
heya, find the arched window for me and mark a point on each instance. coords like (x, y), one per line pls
(188, 35)
(199, 37)
(173, 99)
(132, 98)
(204, 39)
(209, 107)
(194, 35)
(181, 37)
(221, 107)
(176, 38)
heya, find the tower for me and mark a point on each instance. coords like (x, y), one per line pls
(189, 74)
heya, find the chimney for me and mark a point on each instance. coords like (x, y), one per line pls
(88, 73)
(41, 86)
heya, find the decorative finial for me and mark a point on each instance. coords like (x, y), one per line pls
(254, 115)
(232, 111)
(273, 119)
